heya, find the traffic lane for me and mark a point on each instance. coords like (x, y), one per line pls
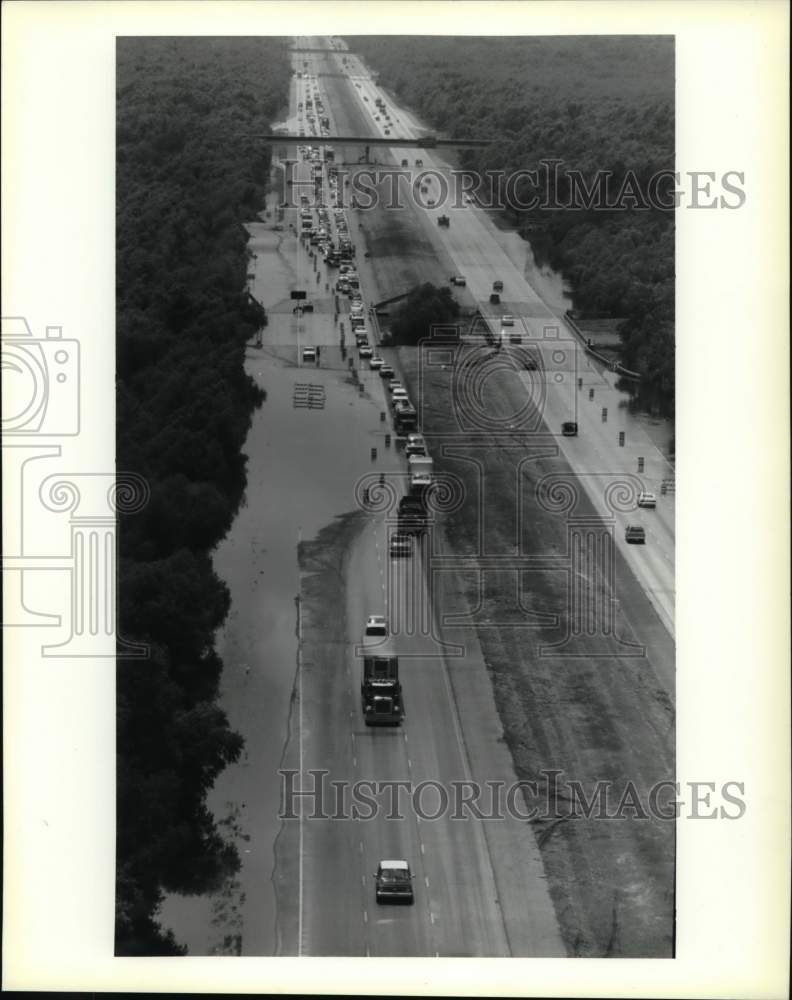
(458, 873)
(450, 858)
(381, 755)
(392, 929)
(453, 873)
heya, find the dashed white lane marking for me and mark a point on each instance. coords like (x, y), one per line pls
(431, 916)
(409, 764)
(354, 763)
(365, 917)
(423, 851)
(426, 881)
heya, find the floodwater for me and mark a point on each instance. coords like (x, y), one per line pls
(298, 480)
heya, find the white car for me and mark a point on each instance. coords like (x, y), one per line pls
(376, 362)
(365, 351)
(376, 625)
(507, 320)
(646, 499)
(400, 395)
(395, 384)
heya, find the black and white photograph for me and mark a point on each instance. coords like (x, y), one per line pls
(373, 577)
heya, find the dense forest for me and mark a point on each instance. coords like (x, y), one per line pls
(595, 103)
(187, 179)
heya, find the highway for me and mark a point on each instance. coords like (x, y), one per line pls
(480, 887)
(596, 453)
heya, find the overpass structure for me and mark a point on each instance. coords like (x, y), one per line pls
(425, 142)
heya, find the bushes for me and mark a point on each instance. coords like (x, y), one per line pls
(425, 307)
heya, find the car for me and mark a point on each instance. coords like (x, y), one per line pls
(531, 364)
(400, 545)
(365, 351)
(458, 279)
(569, 428)
(635, 534)
(399, 395)
(430, 203)
(386, 371)
(416, 444)
(376, 625)
(308, 354)
(419, 163)
(507, 320)
(497, 286)
(494, 298)
(393, 882)
(395, 384)
(405, 163)
(387, 131)
(646, 499)
(376, 362)
(515, 337)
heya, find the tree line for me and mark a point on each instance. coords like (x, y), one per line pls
(599, 104)
(187, 178)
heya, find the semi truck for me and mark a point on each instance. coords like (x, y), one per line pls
(380, 688)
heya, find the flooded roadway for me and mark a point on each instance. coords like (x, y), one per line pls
(299, 479)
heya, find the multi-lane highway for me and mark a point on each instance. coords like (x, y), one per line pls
(480, 886)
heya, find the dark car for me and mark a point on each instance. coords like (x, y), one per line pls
(635, 534)
(393, 881)
(569, 428)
